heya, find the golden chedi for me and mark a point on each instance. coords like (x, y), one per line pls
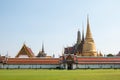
(89, 48)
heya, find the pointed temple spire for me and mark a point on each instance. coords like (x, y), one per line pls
(83, 33)
(42, 52)
(88, 33)
(78, 37)
(42, 47)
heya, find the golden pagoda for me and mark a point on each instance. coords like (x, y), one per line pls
(89, 48)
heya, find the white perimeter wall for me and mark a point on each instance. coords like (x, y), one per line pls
(98, 66)
(1, 65)
(30, 66)
(79, 66)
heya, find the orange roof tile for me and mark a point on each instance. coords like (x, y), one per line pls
(101, 60)
(33, 61)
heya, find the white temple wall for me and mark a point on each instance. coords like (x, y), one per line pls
(90, 66)
(29, 66)
(1, 65)
(74, 66)
(79, 66)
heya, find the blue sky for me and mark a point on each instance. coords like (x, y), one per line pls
(56, 22)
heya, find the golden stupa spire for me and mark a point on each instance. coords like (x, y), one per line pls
(88, 33)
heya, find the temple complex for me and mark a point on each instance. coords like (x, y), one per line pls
(84, 46)
(82, 55)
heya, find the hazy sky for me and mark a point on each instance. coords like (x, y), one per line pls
(56, 22)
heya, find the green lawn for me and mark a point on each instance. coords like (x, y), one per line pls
(102, 74)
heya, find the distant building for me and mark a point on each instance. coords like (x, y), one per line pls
(82, 55)
(84, 46)
(118, 54)
(42, 53)
(25, 52)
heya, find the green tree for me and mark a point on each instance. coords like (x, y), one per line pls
(110, 55)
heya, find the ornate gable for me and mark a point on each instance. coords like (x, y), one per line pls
(25, 52)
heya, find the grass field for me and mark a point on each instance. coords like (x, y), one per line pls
(28, 74)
